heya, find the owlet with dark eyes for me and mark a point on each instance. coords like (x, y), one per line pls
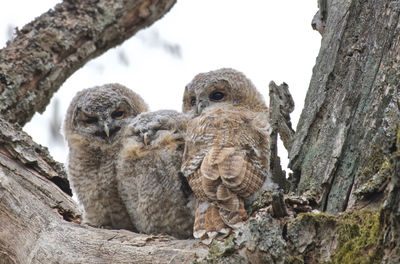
(226, 157)
(93, 129)
(156, 194)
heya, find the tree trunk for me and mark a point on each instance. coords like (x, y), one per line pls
(344, 154)
(348, 126)
(391, 212)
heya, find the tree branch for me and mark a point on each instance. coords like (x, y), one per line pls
(48, 50)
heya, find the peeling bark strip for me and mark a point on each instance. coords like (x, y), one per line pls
(16, 144)
(52, 47)
(281, 104)
(348, 126)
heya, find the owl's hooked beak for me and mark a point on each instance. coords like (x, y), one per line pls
(106, 130)
(146, 138)
(200, 107)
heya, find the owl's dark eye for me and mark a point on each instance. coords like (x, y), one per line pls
(117, 114)
(193, 101)
(217, 96)
(91, 120)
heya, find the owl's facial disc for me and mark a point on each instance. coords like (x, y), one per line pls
(218, 92)
(216, 96)
(103, 126)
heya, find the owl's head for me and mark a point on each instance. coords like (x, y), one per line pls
(224, 86)
(153, 128)
(98, 114)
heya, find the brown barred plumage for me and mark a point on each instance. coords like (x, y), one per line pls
(226, 156)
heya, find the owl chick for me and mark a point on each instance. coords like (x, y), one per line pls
(93, 130)
(154, 191)
(226, 156)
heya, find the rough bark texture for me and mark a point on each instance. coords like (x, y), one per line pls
(281, 104)
(48, 50)
(391, 212)
(348, 126)
(345, 154)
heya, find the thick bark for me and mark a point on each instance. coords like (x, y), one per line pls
(348, 126)
(48, 50)
(281, 104)
(391, 209)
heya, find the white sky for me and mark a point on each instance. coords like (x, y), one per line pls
(266, 40)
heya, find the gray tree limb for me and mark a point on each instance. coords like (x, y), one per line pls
(48, 50)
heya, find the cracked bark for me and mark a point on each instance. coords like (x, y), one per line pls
(281, 104)
(351, 111)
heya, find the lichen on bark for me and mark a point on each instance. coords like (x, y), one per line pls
(359, 236)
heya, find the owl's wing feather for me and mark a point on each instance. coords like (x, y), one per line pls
(252, 180)
(208, 221)
(195, 182)
(236, 218)
(226, 161)
(199, 227)
(210, 187)
(229, 167)
(213, 221)
(232, 169)
(227, 199)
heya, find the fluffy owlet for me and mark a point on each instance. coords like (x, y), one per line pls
(93, 129)
(154, 191)
(226, 157)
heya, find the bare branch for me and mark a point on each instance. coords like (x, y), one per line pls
(52, 47)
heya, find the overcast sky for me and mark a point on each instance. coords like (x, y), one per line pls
(266, 40)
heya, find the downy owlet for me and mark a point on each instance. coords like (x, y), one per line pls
(93, 129)
(226, 157)
(157, 196)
